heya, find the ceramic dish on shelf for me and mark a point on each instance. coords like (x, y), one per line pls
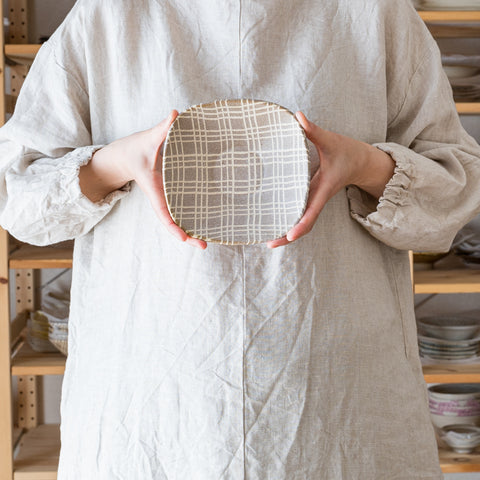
(466, 243)
(460, 71)
(426, 360)
(440, 349)
(454, 403)
(236, 171)
(460, 437)
(460, 59)
(37, 332)
(470, 260)
(466, 89)
(58, 334)
(449, 327)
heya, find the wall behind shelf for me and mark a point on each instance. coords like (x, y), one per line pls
(44, 17)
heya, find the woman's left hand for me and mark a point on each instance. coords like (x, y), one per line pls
(343, 161)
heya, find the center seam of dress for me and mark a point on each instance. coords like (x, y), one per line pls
(240, 49)
(244, 321)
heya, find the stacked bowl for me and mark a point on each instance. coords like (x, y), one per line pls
(454, 404)
(449, 338)
(461, 438)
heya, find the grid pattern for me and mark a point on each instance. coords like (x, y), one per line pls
(236, 171)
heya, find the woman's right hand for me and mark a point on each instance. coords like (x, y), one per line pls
(136, 158)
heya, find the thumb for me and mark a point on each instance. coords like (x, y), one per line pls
(160, 131)
(313, 132)
(318, 196)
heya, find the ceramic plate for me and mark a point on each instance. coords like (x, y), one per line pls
(236, 171)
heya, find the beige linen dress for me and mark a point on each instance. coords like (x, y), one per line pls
(241, 363)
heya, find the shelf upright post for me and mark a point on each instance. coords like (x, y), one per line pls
(27, 402)
(18, 34)
(6, 421)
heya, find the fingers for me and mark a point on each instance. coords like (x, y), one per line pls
(318, 197)
(154, 191)
(154, 185)
(196, 242)
(279, 242)
(320, 187)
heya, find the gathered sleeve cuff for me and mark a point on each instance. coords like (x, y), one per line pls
(424, 203)
(42, 199)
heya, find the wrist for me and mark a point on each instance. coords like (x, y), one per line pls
(108, 164)
(377, 168)
(102, 175)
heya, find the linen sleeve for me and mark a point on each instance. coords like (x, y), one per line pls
(435, 188)
(42, 148)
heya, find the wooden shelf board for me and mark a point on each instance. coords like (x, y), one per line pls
(29, 256)
(22, 54)
(450, 16)
(451, 373)
(452, 462)
(38, 454)
(447, 281)
(29, 362)
(454, 29)
(468, 108)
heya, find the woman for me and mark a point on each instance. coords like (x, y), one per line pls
(295, 363)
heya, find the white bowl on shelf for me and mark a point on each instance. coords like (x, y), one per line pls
(461, 438)
(454, 403)
(460, 71)
(451, 328)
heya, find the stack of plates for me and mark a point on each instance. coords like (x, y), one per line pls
(463, 71)
(466, 88)
(448, 4)
(449, 338)
(439, 349)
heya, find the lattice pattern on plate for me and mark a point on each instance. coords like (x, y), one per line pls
(236, 171)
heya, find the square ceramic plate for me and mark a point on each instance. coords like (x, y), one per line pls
(236, 171)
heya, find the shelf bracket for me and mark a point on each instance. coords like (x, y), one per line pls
(17, 33)
(27, 402)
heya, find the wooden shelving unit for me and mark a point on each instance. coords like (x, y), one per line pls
(21, 54)
(452, 24)
(467, 16)
(451, 373)
(447, 281)
(38, 454)
(453, 462)
(30, 257)
(468, 108)
(28, 362)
